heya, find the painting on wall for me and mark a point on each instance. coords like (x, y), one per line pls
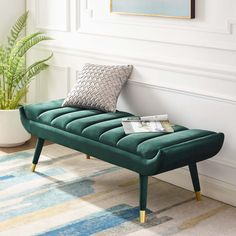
(164, 8)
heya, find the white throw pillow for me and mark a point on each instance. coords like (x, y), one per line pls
(98, 87)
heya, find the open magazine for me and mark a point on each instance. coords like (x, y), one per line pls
(137, 124)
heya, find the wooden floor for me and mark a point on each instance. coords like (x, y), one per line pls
(28, 145)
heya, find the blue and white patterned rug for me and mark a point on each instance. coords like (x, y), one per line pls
(70, 195)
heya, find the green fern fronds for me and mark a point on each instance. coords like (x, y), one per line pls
(15, 76)
(14, 101)
(17, 29)
(24, 44)
(37, 67)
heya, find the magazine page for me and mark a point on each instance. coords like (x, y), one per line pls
(154, 118)
(159, 123)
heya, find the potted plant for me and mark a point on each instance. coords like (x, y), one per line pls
(15, 77)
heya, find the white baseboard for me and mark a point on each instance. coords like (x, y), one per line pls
(210, 187)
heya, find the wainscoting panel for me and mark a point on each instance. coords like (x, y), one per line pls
(213, 29)
(54, 83)
(194, 79)
(53, 15)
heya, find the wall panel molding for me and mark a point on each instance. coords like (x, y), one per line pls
(184, 92)
(83, 12)
(226, 30)
(215, 72)
(222, 37)
(152, 23)
(78, 10)
(62, 15)
(90, 29)
(230, 26)
(55, 78)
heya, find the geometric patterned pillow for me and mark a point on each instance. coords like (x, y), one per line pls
(98, 87)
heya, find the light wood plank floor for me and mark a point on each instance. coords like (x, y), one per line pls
(28, 145)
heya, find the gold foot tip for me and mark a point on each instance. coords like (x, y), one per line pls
(198, 196)
(33, 167)
(87, 157)
(142, 217)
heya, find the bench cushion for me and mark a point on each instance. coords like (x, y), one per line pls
(95, 126)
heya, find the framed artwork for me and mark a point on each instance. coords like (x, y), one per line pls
(166, 8)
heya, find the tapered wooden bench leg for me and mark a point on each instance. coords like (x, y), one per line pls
(37, 152)
(195, 180)
(143, 181)
(87, 156)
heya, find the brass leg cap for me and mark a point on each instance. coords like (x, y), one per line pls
(33, 167)
(142, 216)
(198, 196)
(87, 156)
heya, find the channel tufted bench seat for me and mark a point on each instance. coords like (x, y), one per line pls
(101, 135)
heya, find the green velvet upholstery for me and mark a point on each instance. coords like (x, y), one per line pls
(143, 182)
(101, 135)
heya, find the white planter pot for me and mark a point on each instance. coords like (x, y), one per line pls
(12, 132)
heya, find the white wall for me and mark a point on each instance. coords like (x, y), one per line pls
(186, 68)
(10, 10)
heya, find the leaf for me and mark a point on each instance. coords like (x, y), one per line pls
(36, 70)
(17, 29)
(22, 47)
(32, 69)
(24, 44)
(14, 102)
(31, 43)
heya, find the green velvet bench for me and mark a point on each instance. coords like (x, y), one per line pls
(101, 135)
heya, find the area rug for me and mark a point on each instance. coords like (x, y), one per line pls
(70, 195)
